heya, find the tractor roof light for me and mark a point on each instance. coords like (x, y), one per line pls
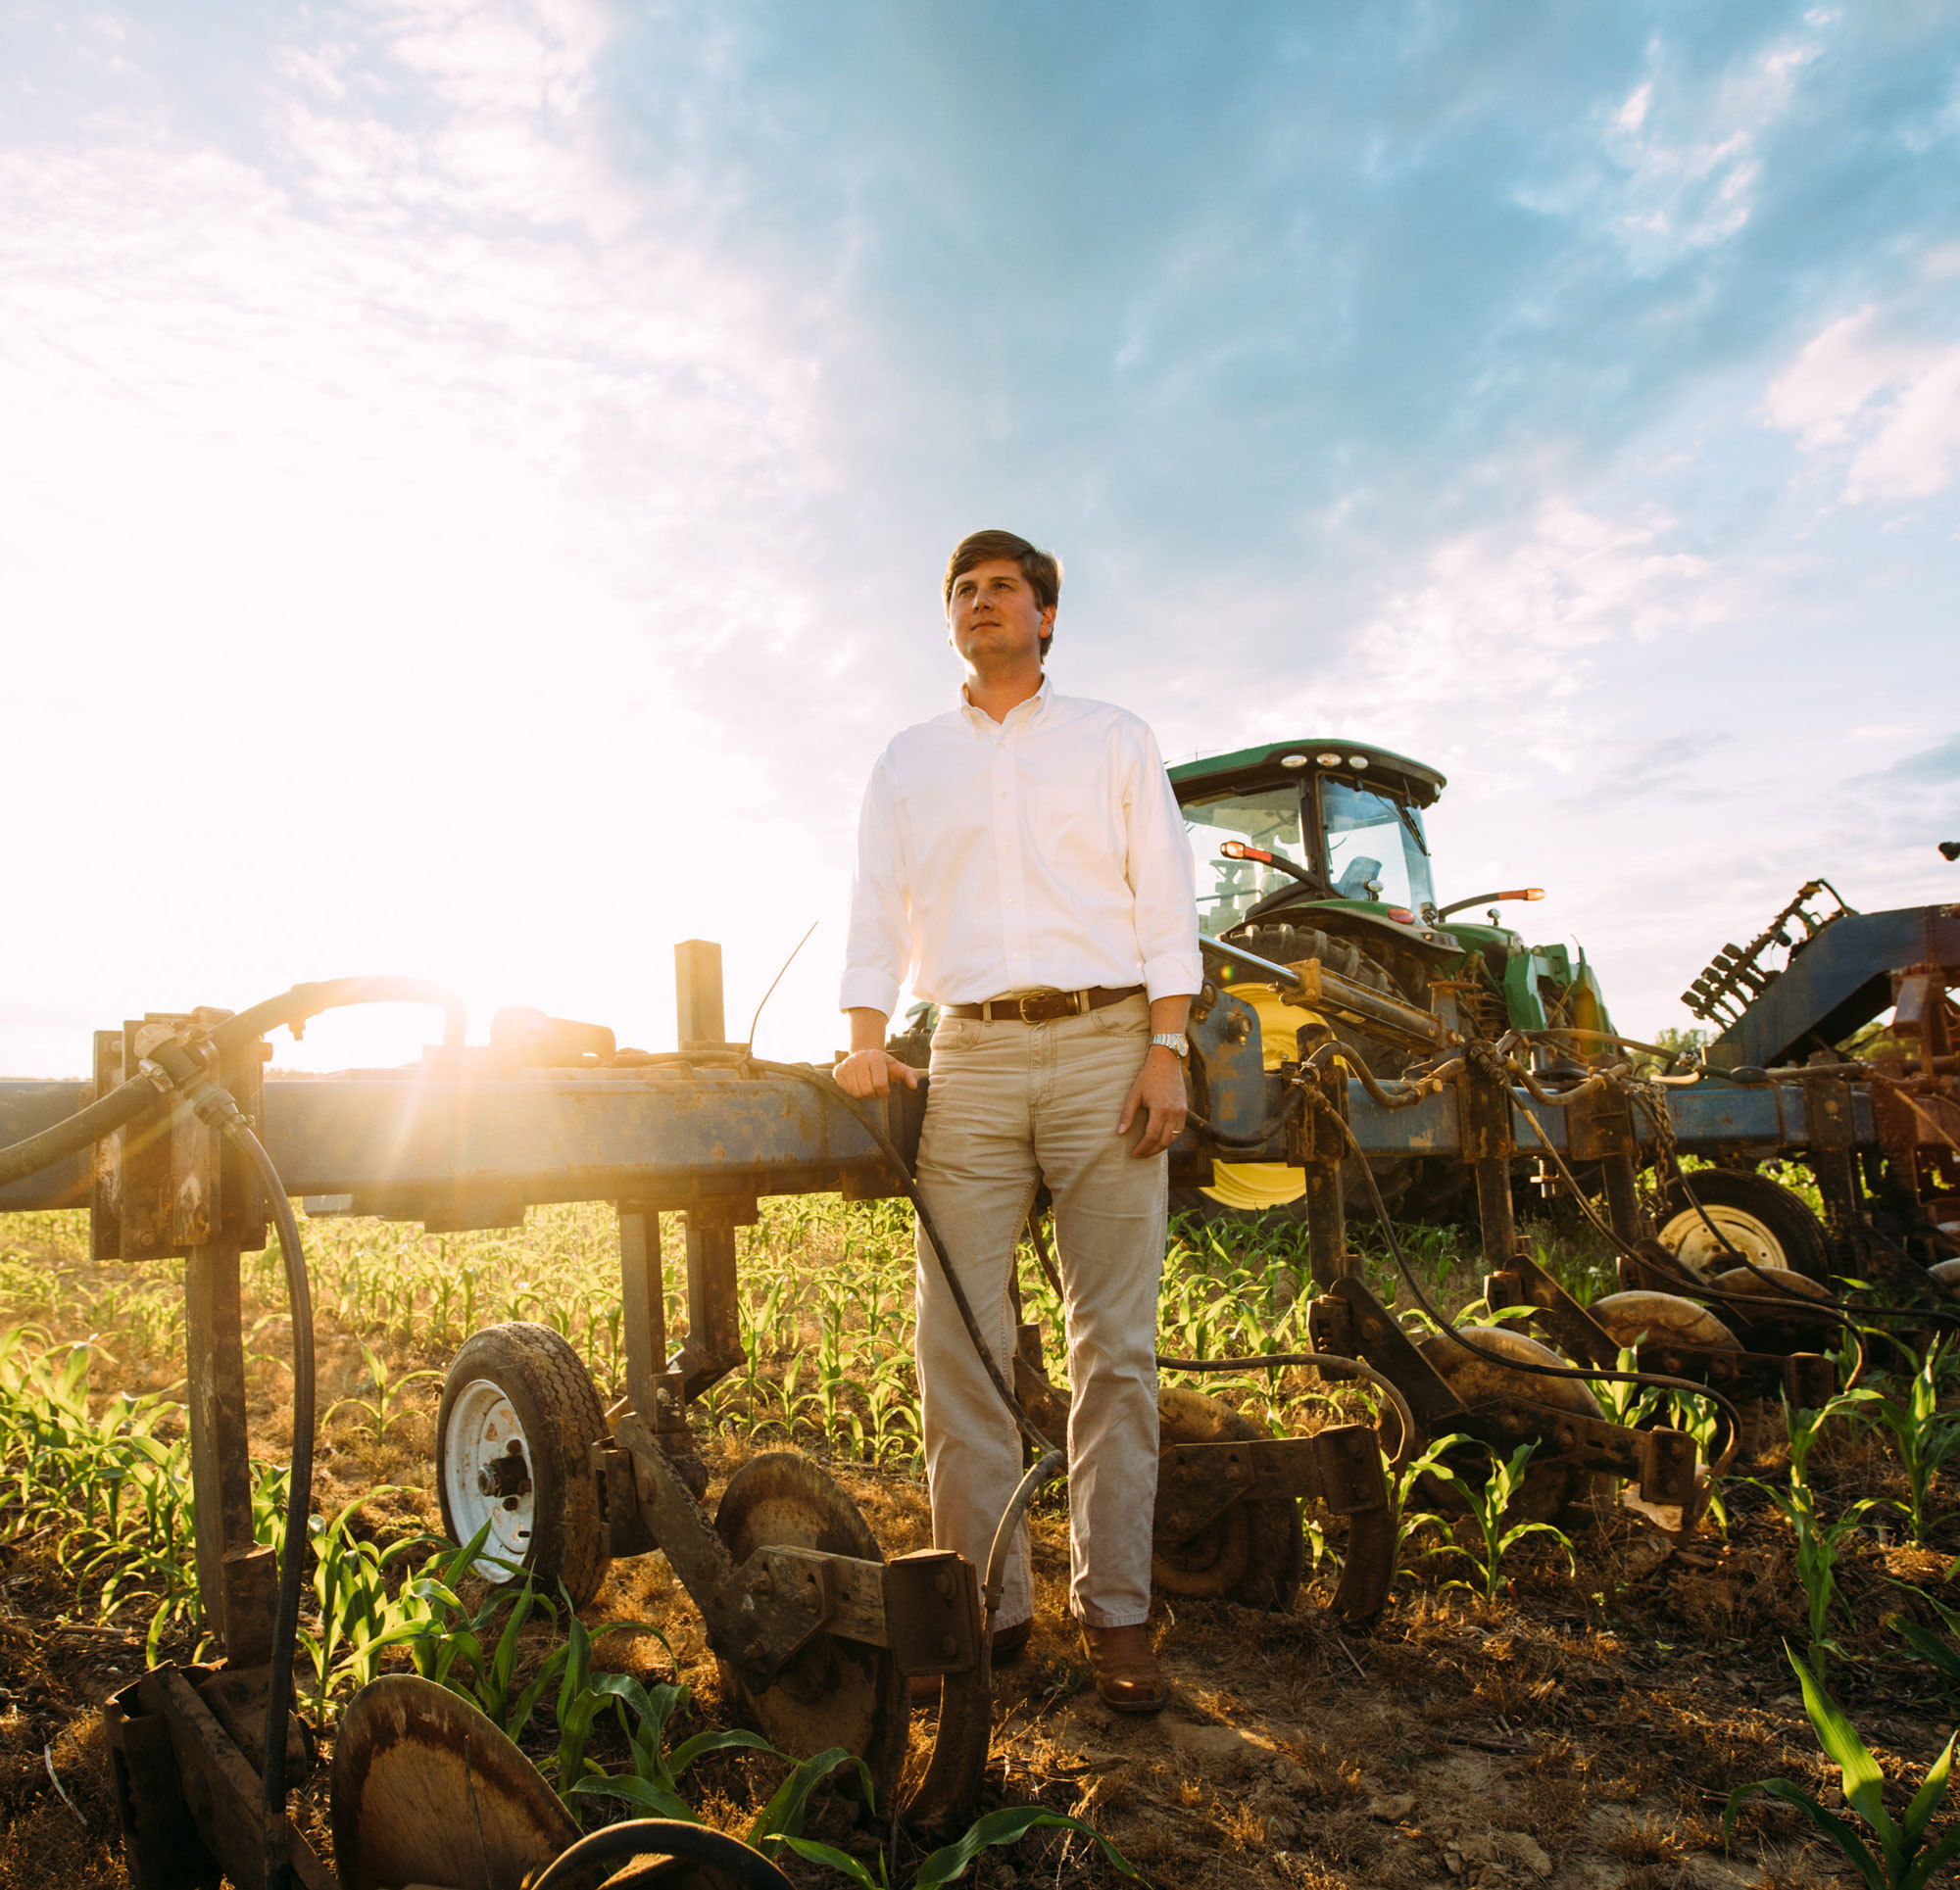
(1293, 760)
(1328, 760)
(1357, 760)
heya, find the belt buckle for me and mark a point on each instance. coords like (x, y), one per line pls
(1028, 997)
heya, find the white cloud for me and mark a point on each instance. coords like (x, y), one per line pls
(1690, 158)
(1892, 400)
(1508, 616)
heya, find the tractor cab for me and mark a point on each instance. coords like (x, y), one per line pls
(1331, 826)
(1316, 850)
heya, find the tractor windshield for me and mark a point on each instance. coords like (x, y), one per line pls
(1267, 818)
(1375, 845)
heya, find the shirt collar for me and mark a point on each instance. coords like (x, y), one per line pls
(1034, 709)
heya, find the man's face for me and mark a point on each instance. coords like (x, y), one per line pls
(993, 616)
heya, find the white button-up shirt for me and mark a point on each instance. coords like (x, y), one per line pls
(1045, 851)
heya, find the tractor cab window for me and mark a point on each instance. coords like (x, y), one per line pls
(1268, 818)
(1375, 845)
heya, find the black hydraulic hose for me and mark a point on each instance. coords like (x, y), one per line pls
(1051, 1463)
(128, 1100)
(822, 1082)
(294, 1007)
(123, 1105)
(1608, 1036)
(1258, 1139)
(299, 1487)
(665, 1837)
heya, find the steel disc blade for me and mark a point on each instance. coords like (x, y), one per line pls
(835, 1692)
(428, 1790)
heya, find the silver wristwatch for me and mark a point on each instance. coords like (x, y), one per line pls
(1175, 1042)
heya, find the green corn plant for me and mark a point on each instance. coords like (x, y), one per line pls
(1942, 1656)
(1805, 1427)
(1406, 1481)
(359, 1619)
(381, 1410)
(1923, 1437)
(1007, 1826)
(1700, 1419)
(1903, 1861)
(444, 1629)
(1619, 1401)
(490, 1675)
(1818, 1550)
(1818, 1542)
(449, 1643)
(653, 1784)
(582, 1695)
(1487, 1503)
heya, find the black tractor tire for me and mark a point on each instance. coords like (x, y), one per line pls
(560, 1417)
(1796, 1236)
(1281, 942)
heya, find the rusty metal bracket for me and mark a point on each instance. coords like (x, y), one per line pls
(1522, 1282)
(923, 1607)
(755, 1622)
(1340, 1467)
(932, 1612)
(622, 1528)
(1661, 1461)
(1358, 1325)
(1809, 1379)
(188, 1796)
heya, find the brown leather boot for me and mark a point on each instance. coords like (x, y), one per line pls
(1127, 1676)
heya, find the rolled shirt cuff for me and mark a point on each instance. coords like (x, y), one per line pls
(872, 990)
(1176, 973)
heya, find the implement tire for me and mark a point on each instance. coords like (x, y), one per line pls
(1772, 1226)
(513, 1441)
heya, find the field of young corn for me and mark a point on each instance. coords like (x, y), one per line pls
(1538, 1706)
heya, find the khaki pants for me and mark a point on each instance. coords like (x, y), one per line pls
(1012, 1106)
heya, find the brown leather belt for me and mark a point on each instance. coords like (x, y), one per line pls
(1043, 1006)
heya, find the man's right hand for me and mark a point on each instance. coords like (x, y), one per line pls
(870, 1073)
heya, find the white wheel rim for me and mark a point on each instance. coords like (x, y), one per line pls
(477, 1441)
(1688, 1238)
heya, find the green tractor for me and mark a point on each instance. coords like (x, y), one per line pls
(1315, 849)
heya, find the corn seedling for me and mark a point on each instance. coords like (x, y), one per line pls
(1817, 1556)
(1619, 1401)
(1923, 1435)
(1941, 1655)
(1487, 1502)
(1008, 1825)
(1817, 1541)
(1405, 1484)
(1903, 1861)
(653, 1783)
(582, 1695)
(359, 1619)
(381, 1409)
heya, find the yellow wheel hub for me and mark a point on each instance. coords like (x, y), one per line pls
(1254, 1187)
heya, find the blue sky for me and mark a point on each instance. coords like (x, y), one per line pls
(473, 478)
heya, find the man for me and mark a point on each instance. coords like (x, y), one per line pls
(1021, 861)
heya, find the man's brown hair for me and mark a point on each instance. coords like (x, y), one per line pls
(1042, 569)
